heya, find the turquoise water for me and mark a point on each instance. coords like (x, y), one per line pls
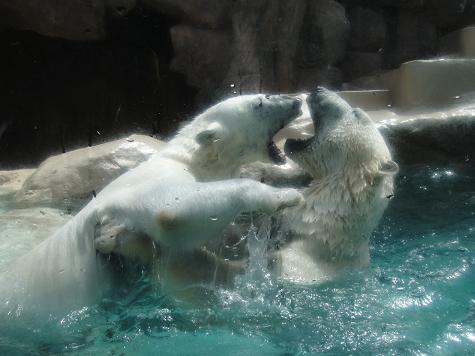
(418, 296)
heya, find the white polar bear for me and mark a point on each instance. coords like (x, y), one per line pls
(169, 198)
(352, 173)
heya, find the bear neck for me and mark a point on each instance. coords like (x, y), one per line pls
(184, 149)
(339, 214)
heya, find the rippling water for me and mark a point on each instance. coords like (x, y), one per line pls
(418, 296)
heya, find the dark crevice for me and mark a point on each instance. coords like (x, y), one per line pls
(59, 95)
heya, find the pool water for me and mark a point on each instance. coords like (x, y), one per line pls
(417, 298)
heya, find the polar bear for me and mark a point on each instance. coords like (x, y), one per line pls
(352, 173)
(181, 197)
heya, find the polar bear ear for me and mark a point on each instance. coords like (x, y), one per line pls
(389, 168)
(362, 116)
(211, 134)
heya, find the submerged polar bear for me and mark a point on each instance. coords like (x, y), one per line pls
(170, 198)
(352, 173)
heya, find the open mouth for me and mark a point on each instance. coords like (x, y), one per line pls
(275, 154)
(293, 145)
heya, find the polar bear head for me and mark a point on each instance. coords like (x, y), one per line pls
(238, 131)
(346, 143)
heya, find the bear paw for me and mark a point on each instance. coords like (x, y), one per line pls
(106, 235)
(288, 198)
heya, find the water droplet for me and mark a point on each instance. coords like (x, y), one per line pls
(129, 139)
(61, 270)
(389, 106)
(213, 218)
(83, 270)
(456, 97)
(231, 85)
(176, 198)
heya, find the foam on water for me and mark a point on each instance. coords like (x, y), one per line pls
(418, 296)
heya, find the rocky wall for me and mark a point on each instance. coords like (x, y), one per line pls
(79, 72)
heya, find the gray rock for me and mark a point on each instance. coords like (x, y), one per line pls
(72, 19)
(70, 178)
(309, 78)
(407, 4)
(359, 64)
(368, 30)
(449, 13)
(440, 137)
(119, 8)
(416, 37)
(12, 181)
(324, 34)
(202, 13)
(203, 56)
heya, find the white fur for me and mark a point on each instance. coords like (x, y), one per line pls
(167, 198)
(353, 182)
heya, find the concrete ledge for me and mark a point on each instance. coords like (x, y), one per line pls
(433, 84)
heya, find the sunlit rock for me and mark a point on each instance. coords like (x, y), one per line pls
(12, 181)
(79, 174)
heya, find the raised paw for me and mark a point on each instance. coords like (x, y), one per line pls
(288, 198)
(106, 236)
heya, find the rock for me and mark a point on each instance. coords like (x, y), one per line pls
(202, 13)
(265, 35)
(119, 8)
(309, 78)
(359, 64)
(450, 13)
(23, 229)
(416, 37)
(12, 181)
(406, 4)
(324, 34)
(368, 30)
(72, 19)
(70, 178)
(203, 56)
(442, 137)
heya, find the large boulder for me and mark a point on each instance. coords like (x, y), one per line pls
(309, 78)
(12, 181)
(203, 56)
(72, 19)
(71, 178)
(407, 4)
(201, 13)
(440, 137)
(368, 29)
(324, 34)
(451, 13)
(416, 38)
(359, 64)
